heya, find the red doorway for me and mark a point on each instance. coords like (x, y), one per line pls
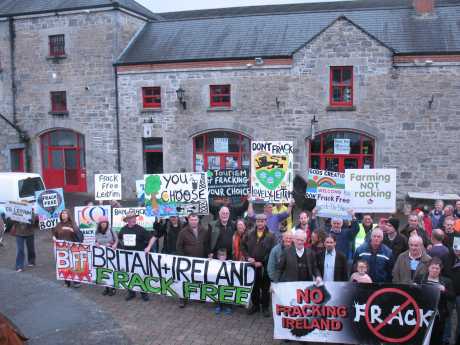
(63, 160)
(340, 150)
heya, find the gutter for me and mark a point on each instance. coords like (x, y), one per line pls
(12, 37)
(117, 119)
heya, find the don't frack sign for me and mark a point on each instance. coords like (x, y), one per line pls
(107, 186)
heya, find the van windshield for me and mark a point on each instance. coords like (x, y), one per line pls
(29, 186)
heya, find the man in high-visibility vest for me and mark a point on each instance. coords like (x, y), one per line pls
(365, 228)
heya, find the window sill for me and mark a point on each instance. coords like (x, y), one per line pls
(217, 109)
(151, 110)
(56, 58)
(341, 108)
(59, 113)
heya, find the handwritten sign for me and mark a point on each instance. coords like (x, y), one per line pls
(107, 186)
(49, 204)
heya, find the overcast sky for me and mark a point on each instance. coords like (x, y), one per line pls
(184, 5)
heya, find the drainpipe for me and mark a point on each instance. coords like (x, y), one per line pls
(117, 119)
(23, 136)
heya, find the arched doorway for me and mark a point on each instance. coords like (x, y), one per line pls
(340, 150)
(63, 160)
(221, 150)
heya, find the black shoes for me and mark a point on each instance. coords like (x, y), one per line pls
(145, 297)
(106, 291)
(130, 296)
(253, 310)
(266, 312)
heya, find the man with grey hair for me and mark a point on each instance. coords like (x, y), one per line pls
(221, 233)
(298, 263)
(378, 257)
(344, 235)
(411, 264)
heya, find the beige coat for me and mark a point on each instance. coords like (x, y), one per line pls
(402, 272)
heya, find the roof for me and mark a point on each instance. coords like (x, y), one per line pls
(27, 7)
(279, 31)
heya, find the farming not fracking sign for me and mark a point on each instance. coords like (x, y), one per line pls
(351, 313)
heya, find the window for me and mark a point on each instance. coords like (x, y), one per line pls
(220, 95)
(17, 160)
(58, 101)
(29, 186)
(57, 45)
(151, 97)
(153, 155)
(339, 150)
(341, 84)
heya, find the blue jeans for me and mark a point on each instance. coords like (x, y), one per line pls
(29, 240)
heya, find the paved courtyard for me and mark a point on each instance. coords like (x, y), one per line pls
(158, 321)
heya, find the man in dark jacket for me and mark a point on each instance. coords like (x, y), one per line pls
(331, 263)
(133, 237)
(344, 235)
(169, 230)
(256, 247)
(378, 257)
(193, 240)
(412, 225)
(393, 239)
(298, 263)
(221, 233)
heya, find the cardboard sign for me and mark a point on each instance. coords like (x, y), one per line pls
(372, 190)
(328, 188)
(271, 171)
(351, 313)
(143, 220)
(228, 183)
(86, 218)
(21, 213)
(176, 194)
(169, 275)
(342, 146)
(49, 204)
(107, 186)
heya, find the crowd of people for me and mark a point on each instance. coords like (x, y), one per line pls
(362, 250)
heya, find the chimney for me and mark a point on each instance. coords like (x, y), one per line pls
(423, 7)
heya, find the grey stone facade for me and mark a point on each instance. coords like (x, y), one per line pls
(391, 107)
(93, 41)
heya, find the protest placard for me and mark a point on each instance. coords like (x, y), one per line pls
(140, 187)
(107, 186)
(271, 171)
(49, 204)
(228, 183)
(372, 190)
(86, 218)
(351, 313)
(169, 275)
(328, 189)
(143, 220)
(176, 194)
(18, 212)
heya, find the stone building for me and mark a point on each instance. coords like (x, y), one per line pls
(192, 89)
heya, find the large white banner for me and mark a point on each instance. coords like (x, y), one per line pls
(372, 190)
(143, 220)
(169, 275)
(272, 171)
(107, 186)
(176, 194)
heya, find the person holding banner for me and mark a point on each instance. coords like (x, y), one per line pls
(256, 248)
(169, 231)
(24, 233)
(238, 239)
(344, 235)
(193, 240)
(106, 237)
(433, 277)
(66, 230)
(133, 237)
(221, 233)
(298, 263)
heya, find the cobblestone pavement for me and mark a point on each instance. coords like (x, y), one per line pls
(158, 321)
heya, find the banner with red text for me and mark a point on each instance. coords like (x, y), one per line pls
(352, 313)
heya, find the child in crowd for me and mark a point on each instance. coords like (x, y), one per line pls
(226, 308)
(361, 276)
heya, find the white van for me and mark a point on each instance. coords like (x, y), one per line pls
(19, 186)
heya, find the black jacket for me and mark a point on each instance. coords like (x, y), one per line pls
(259, 249)
(169, 234)
(420, 232)
(397, 246)
(448, 296)
(290, 265)
(340, 266)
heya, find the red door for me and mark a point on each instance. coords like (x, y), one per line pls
(63, 160)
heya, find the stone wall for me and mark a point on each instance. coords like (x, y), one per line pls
(391, 105)
(93, 41)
